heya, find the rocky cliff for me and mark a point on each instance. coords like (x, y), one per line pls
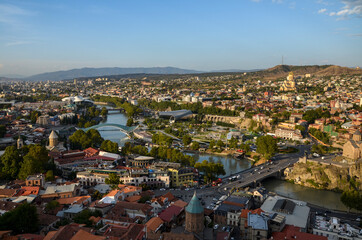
(326, 177)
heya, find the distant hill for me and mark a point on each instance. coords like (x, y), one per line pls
(316, 70)
(94, 72)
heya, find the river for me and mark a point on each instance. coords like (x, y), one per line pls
(231, 165)
(327, 199)
(114, 134)
(324, 198)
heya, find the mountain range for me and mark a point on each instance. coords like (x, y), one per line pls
(270, 73)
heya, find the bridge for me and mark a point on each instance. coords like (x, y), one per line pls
(226, 119)
(252, 176)
(125, 129)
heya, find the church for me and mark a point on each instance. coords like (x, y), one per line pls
(353, 148)
(289, 84)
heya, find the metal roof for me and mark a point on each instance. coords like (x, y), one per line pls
(194, 205)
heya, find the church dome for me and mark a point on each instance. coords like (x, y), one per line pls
(194, 205)
(53, 135)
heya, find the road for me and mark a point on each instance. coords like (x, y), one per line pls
(256, 174)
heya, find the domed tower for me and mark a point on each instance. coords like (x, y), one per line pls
(194, 216)
(290, 76)
(357, 136)
(53, 139)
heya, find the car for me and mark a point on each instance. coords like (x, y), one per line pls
(216, 226)
(223, 228)
(186, 189)
(214, 199)
(162, 189)
(358, 219)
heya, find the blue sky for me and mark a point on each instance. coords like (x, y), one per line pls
(42, 36)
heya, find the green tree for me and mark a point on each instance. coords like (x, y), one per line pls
(186, 140)
(34, 116)
(10, 163)
(220, 144)
(23, 219)
(210, 169)
(83, 217)
(109, 146)
(266, 145)
(352, 199)
(130, 122)
(49, 176)
(97, 195)
(113, 179)
(34, 161)
(233, 142)
(212, 144)
(195, 146)
(104, 111)
(300, 127)
(83, 140)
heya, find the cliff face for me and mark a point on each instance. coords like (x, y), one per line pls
(326, 177)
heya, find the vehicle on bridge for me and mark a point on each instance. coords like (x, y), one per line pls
(216, 182)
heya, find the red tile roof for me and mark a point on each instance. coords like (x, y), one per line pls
(153, 224)
(169, 213)
(291, 233)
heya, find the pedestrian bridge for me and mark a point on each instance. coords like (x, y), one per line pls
(125, 129)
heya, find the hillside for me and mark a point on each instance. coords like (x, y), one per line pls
(281, 71)
(94, 72)
(325, 177)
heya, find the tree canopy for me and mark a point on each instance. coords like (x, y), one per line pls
(109, 146)
(35, 161)
(210, 169)
(83, 140)
(266, 145)
(23, 219)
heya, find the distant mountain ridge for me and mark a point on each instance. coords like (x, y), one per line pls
(270, 73)
(94, 72)
(316, 70)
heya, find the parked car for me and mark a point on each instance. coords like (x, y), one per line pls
(216, 226)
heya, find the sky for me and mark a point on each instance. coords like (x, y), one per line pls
(43, 36)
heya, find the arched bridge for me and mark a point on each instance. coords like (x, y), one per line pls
(125, 129)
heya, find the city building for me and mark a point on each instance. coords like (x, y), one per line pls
(182, 177)
(333, 229)
(295, 212)
(35, 180)
(352, 149)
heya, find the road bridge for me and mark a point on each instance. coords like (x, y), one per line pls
(252, 176)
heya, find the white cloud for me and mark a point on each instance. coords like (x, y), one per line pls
(1, 65)
(356, 35)
(9, 14)
(322, 2)
(255, 0)
(16, 43)
(323, 10)
(351, 8)
(277, 1)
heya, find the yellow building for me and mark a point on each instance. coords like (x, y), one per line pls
(289, 84)
(181, 177)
